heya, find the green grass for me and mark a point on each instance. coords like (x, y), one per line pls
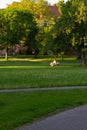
(17, 109)
(42, 77)
(26, 73)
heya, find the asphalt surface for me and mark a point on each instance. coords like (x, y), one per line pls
(75, 119)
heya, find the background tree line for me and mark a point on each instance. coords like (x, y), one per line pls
(32, 24)
(70, 30)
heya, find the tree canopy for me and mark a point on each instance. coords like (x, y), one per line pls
(71, 27)
(15, 26)
(32, 23)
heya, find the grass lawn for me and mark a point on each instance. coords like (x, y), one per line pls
(17, 109)
(26, 73)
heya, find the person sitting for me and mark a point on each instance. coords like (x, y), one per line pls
(51, 64)
(54, 63)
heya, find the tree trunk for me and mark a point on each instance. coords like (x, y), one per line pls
(6, 53)
(83, 58)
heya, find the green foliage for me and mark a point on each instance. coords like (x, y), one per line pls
(16, 25)
(71, 28)
(43, 17)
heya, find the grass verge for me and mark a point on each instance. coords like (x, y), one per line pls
(17, 109)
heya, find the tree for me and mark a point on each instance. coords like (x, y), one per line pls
(71, 27)
(15, 26)
(42, 15)
(58, 40)
(79, 31)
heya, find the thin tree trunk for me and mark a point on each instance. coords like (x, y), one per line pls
(6, 53)
(83, 58)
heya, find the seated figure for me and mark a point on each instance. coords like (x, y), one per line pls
(54, 63)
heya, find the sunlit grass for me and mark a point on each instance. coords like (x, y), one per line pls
(40, 58)
(26, 77)
(22, 67)
(38, 73)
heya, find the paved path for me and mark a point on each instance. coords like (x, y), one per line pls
(41, 89)
(75, 119)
